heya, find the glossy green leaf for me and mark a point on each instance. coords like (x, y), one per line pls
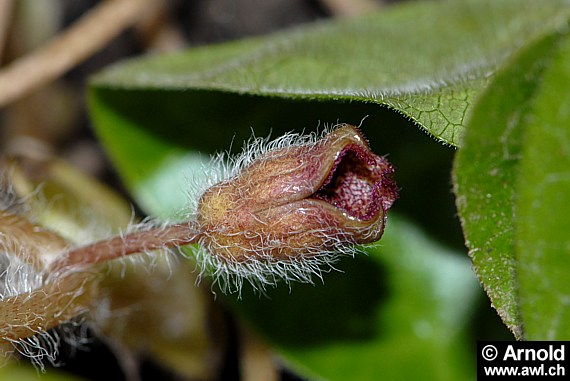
(408, 302)
(428, 60)
(513, 215)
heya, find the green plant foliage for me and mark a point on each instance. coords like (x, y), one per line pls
(543, 207)
(511, 184)
(486, 170)
(426, 60)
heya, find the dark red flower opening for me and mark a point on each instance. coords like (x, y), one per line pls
(360, 183)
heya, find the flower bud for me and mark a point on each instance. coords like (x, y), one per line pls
(299, 201)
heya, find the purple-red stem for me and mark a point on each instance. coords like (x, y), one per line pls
(141, 241)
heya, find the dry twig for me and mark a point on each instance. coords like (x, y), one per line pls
(93, 31)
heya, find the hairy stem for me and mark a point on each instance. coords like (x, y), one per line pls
(141, 241)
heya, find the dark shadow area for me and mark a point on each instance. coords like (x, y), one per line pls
(81, 360)
(342, 308)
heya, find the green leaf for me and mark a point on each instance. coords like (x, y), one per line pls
(513, 214)
(543, 207)
(428, 60)
(408, 302)
(486, 173)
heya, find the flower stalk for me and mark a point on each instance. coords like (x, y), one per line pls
(155, 238)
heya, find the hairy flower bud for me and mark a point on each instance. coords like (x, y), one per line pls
(299, 200)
